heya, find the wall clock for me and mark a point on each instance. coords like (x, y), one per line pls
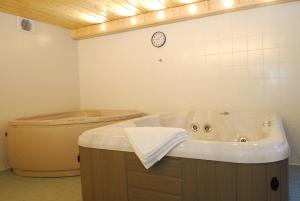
(158, 39)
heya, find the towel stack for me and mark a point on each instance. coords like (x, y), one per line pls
(152, 143)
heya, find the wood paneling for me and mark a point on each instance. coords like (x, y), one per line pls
(155, 183)
(171, 15)
(103, 175)
(206, 173)
(260, 185)
(274, 170)
(225, 181)
(119, 176)
(284, 180)
(79, 13)
(86, 167)
(137, 194)
(189, 180)
(84, 17)
(170, 167)
(244, 180)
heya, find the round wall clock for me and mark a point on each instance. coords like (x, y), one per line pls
(158, 39)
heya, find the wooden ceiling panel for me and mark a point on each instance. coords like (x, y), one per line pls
(89, 18)
(79, 13)
(16, 7)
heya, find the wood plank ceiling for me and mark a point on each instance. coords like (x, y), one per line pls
(91, 18)
(74, 14)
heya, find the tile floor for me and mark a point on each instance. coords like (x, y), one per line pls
(16, 188)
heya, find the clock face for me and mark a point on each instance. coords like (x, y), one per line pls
(158, 39)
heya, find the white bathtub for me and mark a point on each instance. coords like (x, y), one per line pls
(221, 141)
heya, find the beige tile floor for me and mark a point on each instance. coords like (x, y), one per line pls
(16, 188)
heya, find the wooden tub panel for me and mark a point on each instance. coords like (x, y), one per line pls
(120, 176)
(206, 180)
(189, 180)
(169, 167)
(137, 194)
(86, 167)
(284, 180)
(103, 175)
(244, 182)
(155, 183)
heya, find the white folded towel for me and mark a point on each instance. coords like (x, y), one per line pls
(152, 143)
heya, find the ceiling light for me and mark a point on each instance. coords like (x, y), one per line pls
(153, 4)
(103, 27)
(192, 9)
(160, 15)
(228, 3)
(133, 21)
(92, 19)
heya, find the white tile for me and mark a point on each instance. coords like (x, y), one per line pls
(225, 46)
(271, 56)
(255, 42)
(272, 86)
(298, 53)
(270, 40)
(199, 61)
(298, 37)
(225, 59)
(271, 70)
(287, 54)
(289, 70)
(240, 58)
(212, 47)
(212, 60)
(256, 71)
(225, 34)
(200, 49)
(255, 57)
(240, 44)
(188, 51)
(228, 73)
(208, 72)
(287, 39)
(290, 85)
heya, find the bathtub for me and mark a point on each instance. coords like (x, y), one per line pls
(46, 146)
(228, 156)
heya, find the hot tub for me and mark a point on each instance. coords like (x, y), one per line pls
(228, 156)
(46, 146)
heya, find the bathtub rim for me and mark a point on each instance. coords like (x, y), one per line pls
(40, 120)
(258, 151)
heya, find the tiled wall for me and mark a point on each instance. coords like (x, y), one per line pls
(243, 61)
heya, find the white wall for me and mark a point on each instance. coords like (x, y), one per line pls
(247, 61)
(38, 73)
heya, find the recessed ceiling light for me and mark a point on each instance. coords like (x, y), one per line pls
(228, 3)
(103, 27)
(152, 4)
(161, 15)
(133, 21)
(192, 9)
